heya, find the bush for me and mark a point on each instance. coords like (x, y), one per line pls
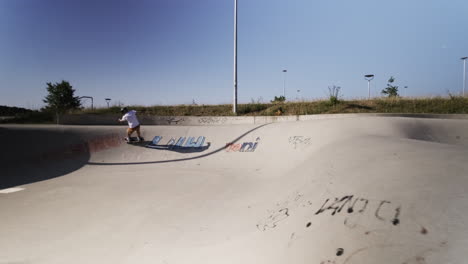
(279, 99)
(333, 94)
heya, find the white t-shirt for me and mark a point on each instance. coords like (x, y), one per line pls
(131, 118)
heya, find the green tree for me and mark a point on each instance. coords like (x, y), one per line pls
(60, 98)
(391, 90)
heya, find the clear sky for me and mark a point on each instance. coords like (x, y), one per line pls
(162, 52)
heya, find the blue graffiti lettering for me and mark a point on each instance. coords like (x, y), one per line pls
(179, 143)
(156, 140)
(195, 144)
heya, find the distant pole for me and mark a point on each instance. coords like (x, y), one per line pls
(464, 73)
(284, 84)
(107, 101)
(368, 77)
(406, 87)
(234, 105)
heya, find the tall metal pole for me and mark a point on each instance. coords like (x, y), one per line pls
(464, 74)
(234, 106)
(369, 78)
(284, 84)
(107, 101)
(368, 89)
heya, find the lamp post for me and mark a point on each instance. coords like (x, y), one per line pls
(464, 73)
(107, 101)
(89, 97)
(368, 77)
(284, 84)
(234, 105)
(406, 87)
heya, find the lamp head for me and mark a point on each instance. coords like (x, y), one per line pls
(369, 77)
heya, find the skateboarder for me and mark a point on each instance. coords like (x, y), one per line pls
(133, 124)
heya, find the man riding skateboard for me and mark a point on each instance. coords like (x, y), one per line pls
(133, 124)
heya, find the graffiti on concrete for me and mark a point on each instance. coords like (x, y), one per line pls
(383, 210)
(298, 141)
(186, 143)
(353, 207)
(91, 145)
(103, 142)
(273, 219)
(283, 210)
(212, 120)
(243, 147)
(174, 120)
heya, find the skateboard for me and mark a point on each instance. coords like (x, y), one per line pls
(134, 140)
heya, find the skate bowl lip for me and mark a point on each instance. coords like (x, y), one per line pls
(148, 120)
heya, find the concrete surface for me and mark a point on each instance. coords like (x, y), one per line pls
(343, 190)
(111, 119)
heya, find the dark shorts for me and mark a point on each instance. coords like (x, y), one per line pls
(131, 130)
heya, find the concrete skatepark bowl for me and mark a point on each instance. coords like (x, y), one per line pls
(350, 190)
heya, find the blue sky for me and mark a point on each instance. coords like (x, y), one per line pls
(163, 52)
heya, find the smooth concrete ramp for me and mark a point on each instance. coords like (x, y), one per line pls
(355, 190)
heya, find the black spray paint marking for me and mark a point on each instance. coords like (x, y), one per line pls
(360, 204)
(378, 210)
(273, 219)
(396, 219)
(336, 206)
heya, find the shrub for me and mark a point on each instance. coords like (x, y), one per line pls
(279, 99)
(333, 94)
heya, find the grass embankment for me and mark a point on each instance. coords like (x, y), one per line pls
(439, 105)
(454, 105)
(20, 115)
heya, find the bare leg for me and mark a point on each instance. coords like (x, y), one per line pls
(129, 132)
(138, 131)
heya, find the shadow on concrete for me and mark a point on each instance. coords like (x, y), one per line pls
(178, 160)
(173, 148)
(419, 131)
(181, 149)
(32, 155)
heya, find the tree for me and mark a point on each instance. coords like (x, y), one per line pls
(61, 98)
(391, 90)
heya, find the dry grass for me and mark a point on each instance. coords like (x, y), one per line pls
(438, 105)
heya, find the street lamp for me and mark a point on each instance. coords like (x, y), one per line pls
(368, 77)
(107, 101)
(89, 97)
(234, 105)
(284, 84)
(464, 73)
(406, 87)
